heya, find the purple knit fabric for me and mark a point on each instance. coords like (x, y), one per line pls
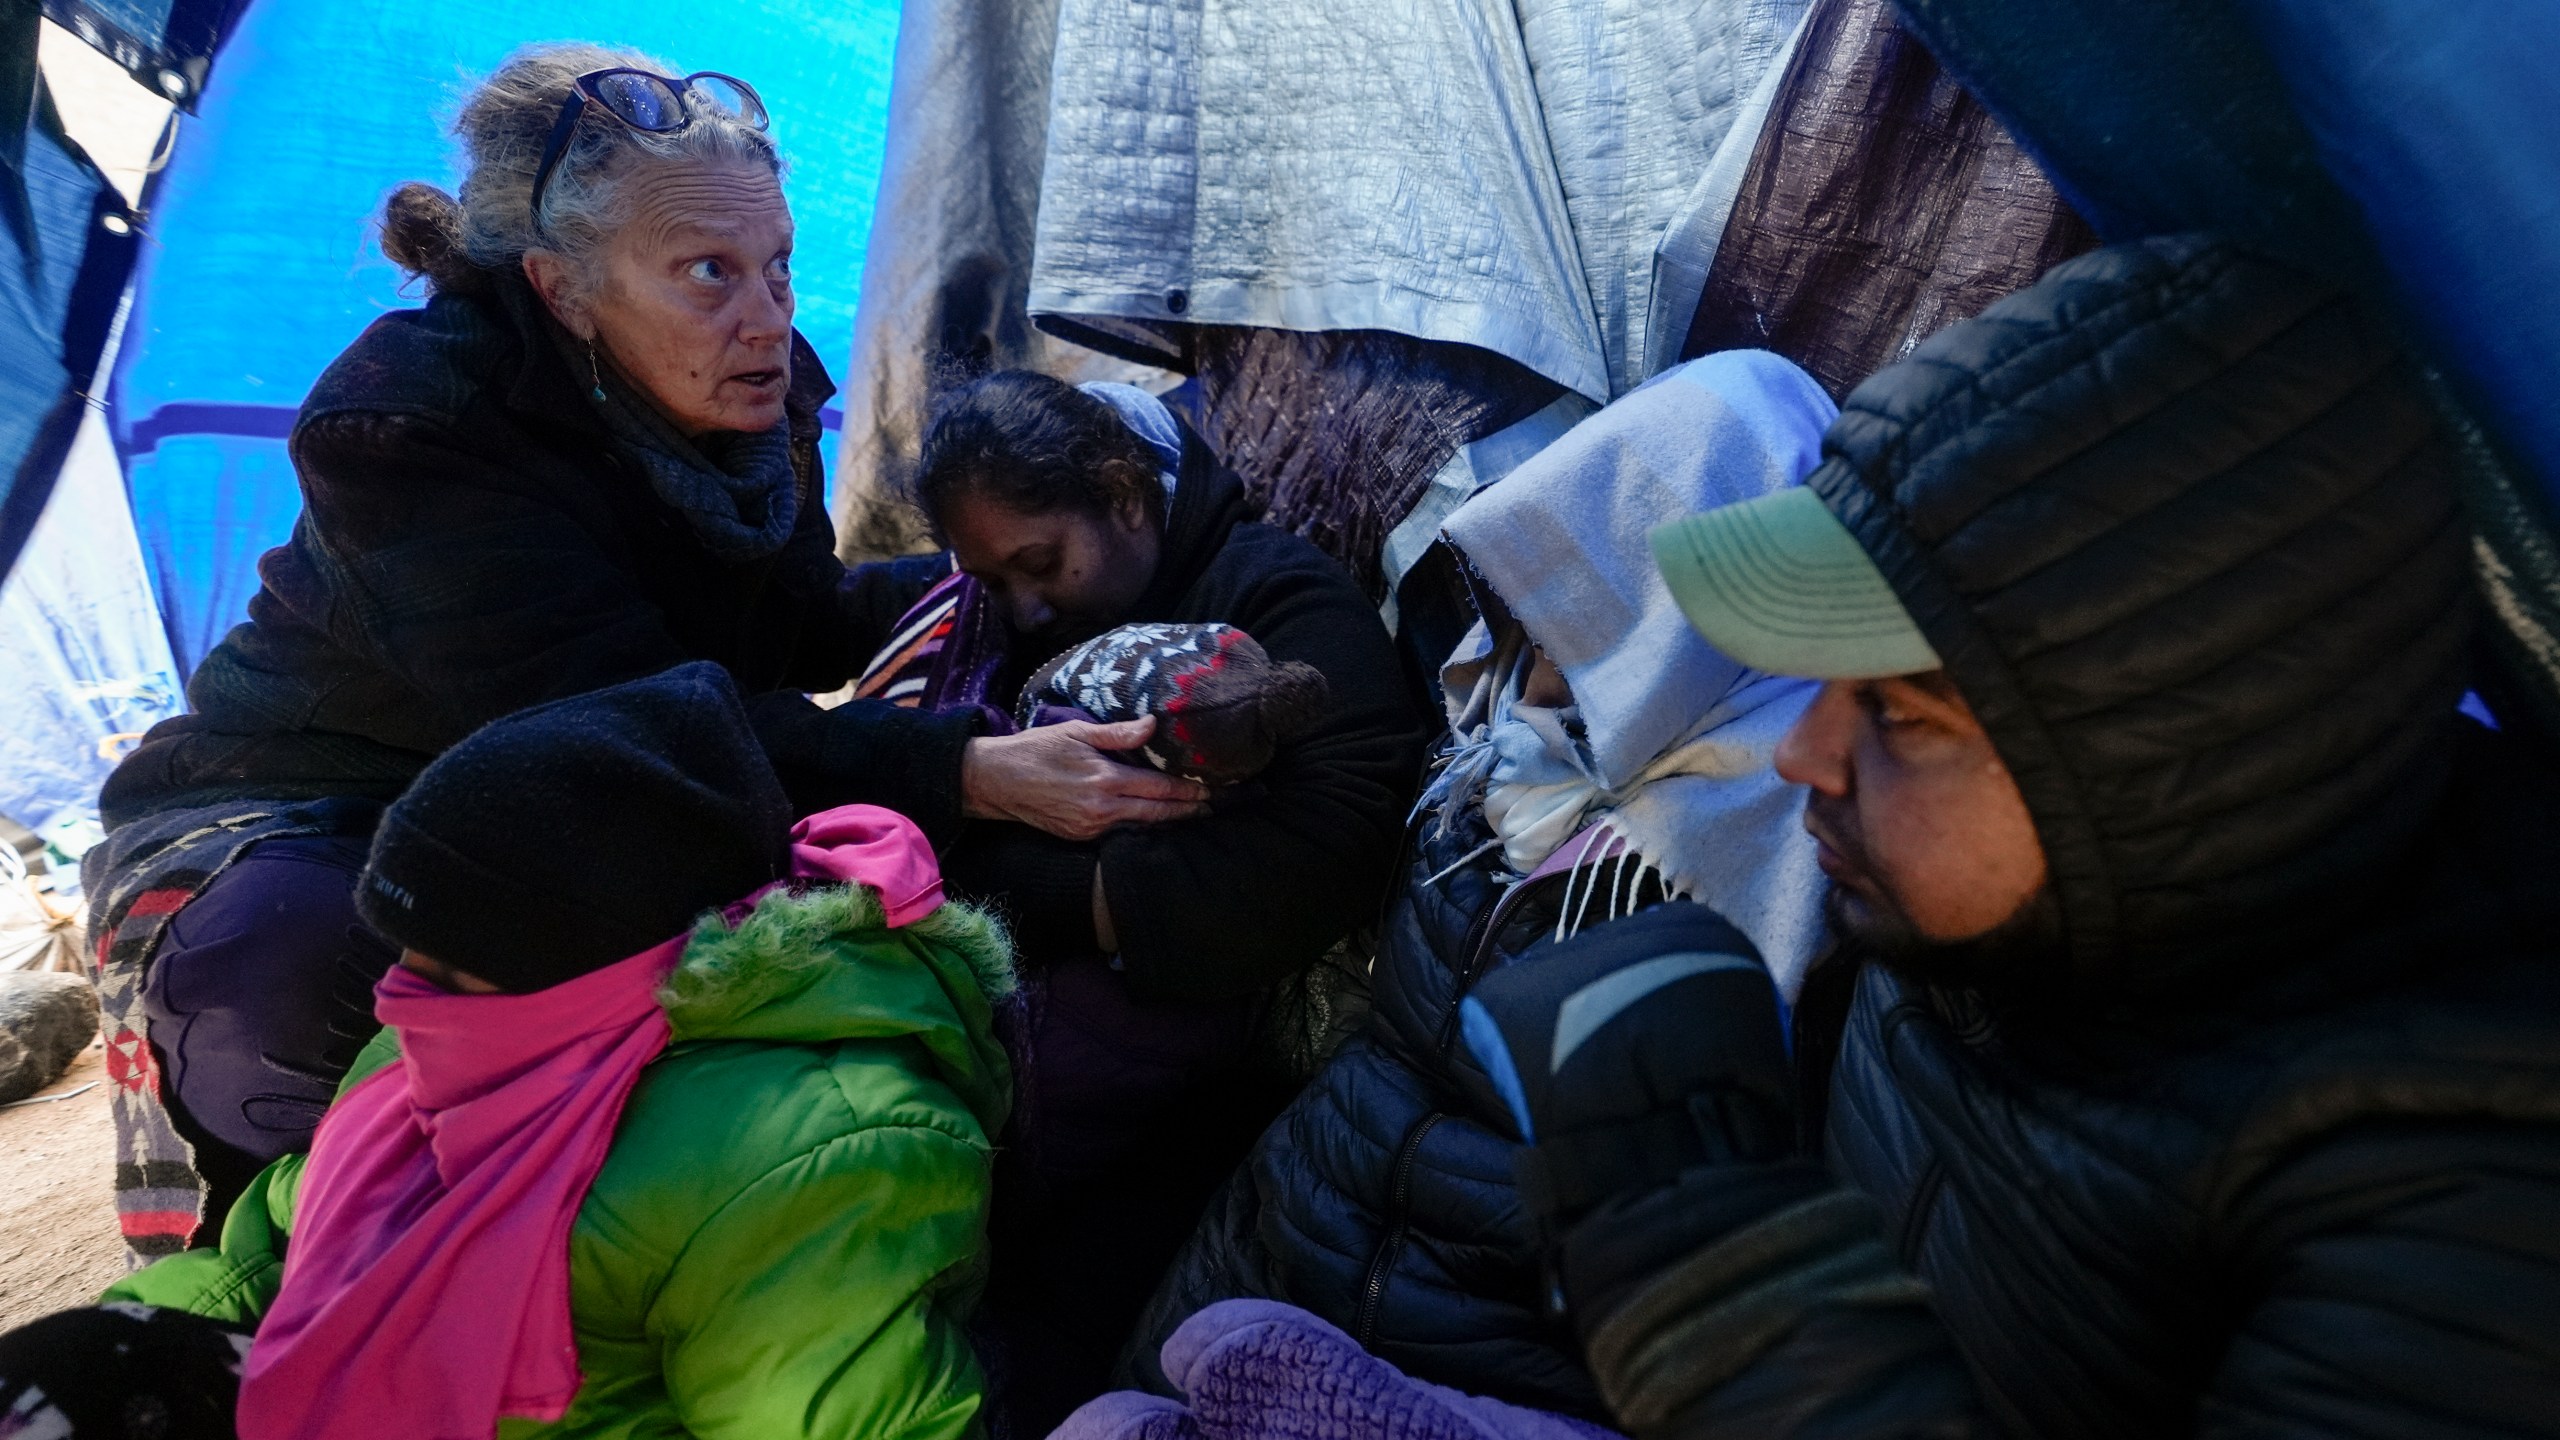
(1129, 1415)
(1261, 1370)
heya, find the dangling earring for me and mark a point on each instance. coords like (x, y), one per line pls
(592, 372)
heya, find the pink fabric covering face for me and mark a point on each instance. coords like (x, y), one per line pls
(426, 1286)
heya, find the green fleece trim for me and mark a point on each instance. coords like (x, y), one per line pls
(978, 938)
(786, 935)
(819, 966)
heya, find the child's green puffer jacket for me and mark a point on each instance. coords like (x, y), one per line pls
(790, 1228)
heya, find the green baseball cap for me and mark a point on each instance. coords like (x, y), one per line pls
(1780, 584)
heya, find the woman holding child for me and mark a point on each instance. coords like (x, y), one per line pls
(1147, 949)
(592, 456)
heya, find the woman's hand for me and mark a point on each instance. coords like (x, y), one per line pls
(1057, 778)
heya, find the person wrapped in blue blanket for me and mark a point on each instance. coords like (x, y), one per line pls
(1600, 760)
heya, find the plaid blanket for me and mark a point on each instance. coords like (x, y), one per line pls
(137, 881)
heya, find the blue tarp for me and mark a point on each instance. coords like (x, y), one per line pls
(80, 643)
(2437, 120)
(264, 264)
(66, 246)
(166, 45)
(2402, 144)
(2401, 136)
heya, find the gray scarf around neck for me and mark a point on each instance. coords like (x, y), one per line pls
(737, 491)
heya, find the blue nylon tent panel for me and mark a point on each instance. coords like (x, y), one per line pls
(166, 45)
(40, 275)
(265, 266)
(2437, 120)
(2361, 136)
(2149, 118)
(81, 644)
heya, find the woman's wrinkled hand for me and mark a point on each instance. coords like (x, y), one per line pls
(1057, 778)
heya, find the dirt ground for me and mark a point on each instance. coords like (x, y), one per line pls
(58, 1240)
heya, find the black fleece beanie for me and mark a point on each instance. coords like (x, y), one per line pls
(563, 838)
(2182, 524)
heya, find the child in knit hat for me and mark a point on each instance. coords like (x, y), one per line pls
(681, 1121)
(1223, 706)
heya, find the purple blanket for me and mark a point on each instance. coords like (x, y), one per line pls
(1261, 1370)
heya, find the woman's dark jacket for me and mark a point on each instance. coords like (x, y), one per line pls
(472, 542)
(1224, 905)
(1382, 1199)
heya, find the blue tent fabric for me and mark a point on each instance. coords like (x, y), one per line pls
(2396, 138)
(66, 248)
(81, 643)
(264, 264)
(2398, 144)
(166, 45)
(2149, 118)
(2437, 121)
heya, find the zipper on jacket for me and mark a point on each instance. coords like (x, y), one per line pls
(1373, 1286)
(1479, 952)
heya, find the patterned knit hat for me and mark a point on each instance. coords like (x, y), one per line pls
(1225, 706)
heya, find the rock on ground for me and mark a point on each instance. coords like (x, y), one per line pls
(46, 1018)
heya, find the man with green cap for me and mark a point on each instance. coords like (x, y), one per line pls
(2200, 1064)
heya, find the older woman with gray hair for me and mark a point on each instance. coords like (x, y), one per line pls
(592, 455)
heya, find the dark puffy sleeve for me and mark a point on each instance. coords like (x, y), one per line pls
(867, 752)
(1758, 1302)
(2394, 1279)
(1228, 903)
(484, 599)
(2402, 1278)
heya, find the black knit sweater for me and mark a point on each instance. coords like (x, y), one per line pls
(473, 541)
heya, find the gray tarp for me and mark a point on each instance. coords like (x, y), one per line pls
(951, 250)
(1859, 203)
(1623, 138)
(944, 292)
(1573, 176)
(1484, 173)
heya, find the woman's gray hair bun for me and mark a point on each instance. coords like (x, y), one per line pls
(453, 242)
(422, 234)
